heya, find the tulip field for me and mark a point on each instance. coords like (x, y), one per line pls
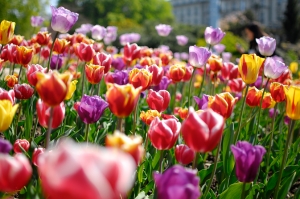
(82, 119)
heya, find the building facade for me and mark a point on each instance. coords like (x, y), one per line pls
(209, 12)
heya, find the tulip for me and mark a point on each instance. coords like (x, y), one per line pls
(36, 21)
(266, 45)
(43, 113)
(188, 73)
(222, 103)
(163, 134)
(98, 32)
(7, 29)
(84, 52)
(277, 91)
(56, 62)
(17, 40)
(23, 55)
(91, 108)
(215, 63)
(285, 78)
(157, 74)
(236, 85)
(165, 58)
(43, 38)
(229, 71)
(129, 38)
(111, 34)
(293, 67)
(140, 78)
(5, 146)
(20, 145)
(62, 19)
(36, 154)
(118, 63)
(23, 91)
(268, 101)
(7, 95)
(273, 68)
(103, 59)
(292, 94)
(183, 113)
(253, 97)
(219, 48)
(182, 40)
(202, 131)
(131, 145)
(7, 112)
(226, 56)
(158, 100)
(177, 72)
(94, 73)
(249, 66)
(202, 102)
(247, 160)
(60, 45)
(163, 85)
(213, 36)
(118, 77)
(31, 73)
(84, 29)
(71, 89)
(9, 53)
(53, 88)
(198, 56)
(99, 172)
(11, 80)
(15, 172)
(272, 112)
(148, 116)
(183, 154)
(163, 29)
(131, 52)
(177, 182)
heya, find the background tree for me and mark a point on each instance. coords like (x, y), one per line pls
(291, 22)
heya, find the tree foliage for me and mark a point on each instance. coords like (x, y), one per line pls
(291, 22)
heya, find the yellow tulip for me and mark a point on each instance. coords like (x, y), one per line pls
(249, 67)
(7, 112)
(294, 67)
(71, 89)
(292, 95)
(7, 29)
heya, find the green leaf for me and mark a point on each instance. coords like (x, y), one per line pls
(155, 159)
(234, 191)
(227, 141)
(140, 173)
(286, 185)
(205, 174)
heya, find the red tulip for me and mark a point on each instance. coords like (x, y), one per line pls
(183, 154)
(188, 73)
(9, 53)
(43, 113)
(23, 91)
(236, 85)
(15, 172)
(103, 59)
(84, 52)
(19, 144)
(43, 38)
(31, 73)
(36, 154)
(45, 53)
(202, 131)
(177, 72)
(131, 52)
(157, 74)
(7, 95)
(75, 171)
(23, 55)
(60, 45)
(229, 71)
(158, 100)
(163, 134)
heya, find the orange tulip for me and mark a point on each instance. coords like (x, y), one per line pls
(23, 55)
(268, 101)
(122, 99)
(215, 63)
(140, 78)
(17, 40)
(43, 38)
(53, 87)
(146, 61)
(222, 103)
(183, 113)
(94, 73)
(177, 72)
(249, 67)
(253, 97)
(131, 145)
(60, 45)
(148, 116)
(277, 91)
(11, 80)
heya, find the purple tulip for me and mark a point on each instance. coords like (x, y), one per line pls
(184, 56)
(258, 82)
(36, 21)
(111, 34)
(56, 62)
(118, 63)
(129, 38)
(91, 108)
(44, 29)
(247, 160)
(84, 28)
(163, 30)
(177, 55)
(201, 102)
(98, 32)
(273, 68)
(182, 40)
(62, 19)
(120, 77)
(278, 58)
(5, 146)
(198, 56)
(219, 48)
(266, 45)
(213, 36)
(272, 112)
(226, 56)
(163, 85)
(177, 182)
(287, 120)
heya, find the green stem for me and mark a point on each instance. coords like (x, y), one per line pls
(13, 68)
(135, 117)
(259, 110)
(48, 133)
(202, 82)
(18, 117)
(236, 136)
(51, 50)
(119, 124)
(20, 73)
(161, 161)
(174, 98)
(86, 136)
(195, 161)
(214, 169)
(243, 196)
(284, 158)
(190, 87)
(83, 80)
(270, 143)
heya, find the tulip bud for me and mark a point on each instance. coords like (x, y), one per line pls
(35, 155)
(266, 45)
(188, 73)
(183, 154)
(23, 91)
(253, 97)
(215, 63)
(60, 45)
(103, 59)
(268, 101)
(7, 112)
(222, 103)
(7, 95)
(277, 91)
(158, 100)
(43, 38)
(5, 146)
(213, 36)
(62, 19)
(20, 145)
(84, 52)
(229, 71)
(177, 72)
(236, 85)
(183, 113)
(23, 55)
(157, 74)
(94, 73)
(249, 67)
(140, 78)
(202, 102)
(117, 77)
(71, 89)
(292, 107)
(17, 40)
(163, 29)
(7, 29)
(131, 52)
(31, 73)
(11, 80)
(198, 56)
(43, 113)
(273, 68)
(148, 116)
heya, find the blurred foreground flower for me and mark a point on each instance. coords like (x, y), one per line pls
(7, 113)
(5, 146)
